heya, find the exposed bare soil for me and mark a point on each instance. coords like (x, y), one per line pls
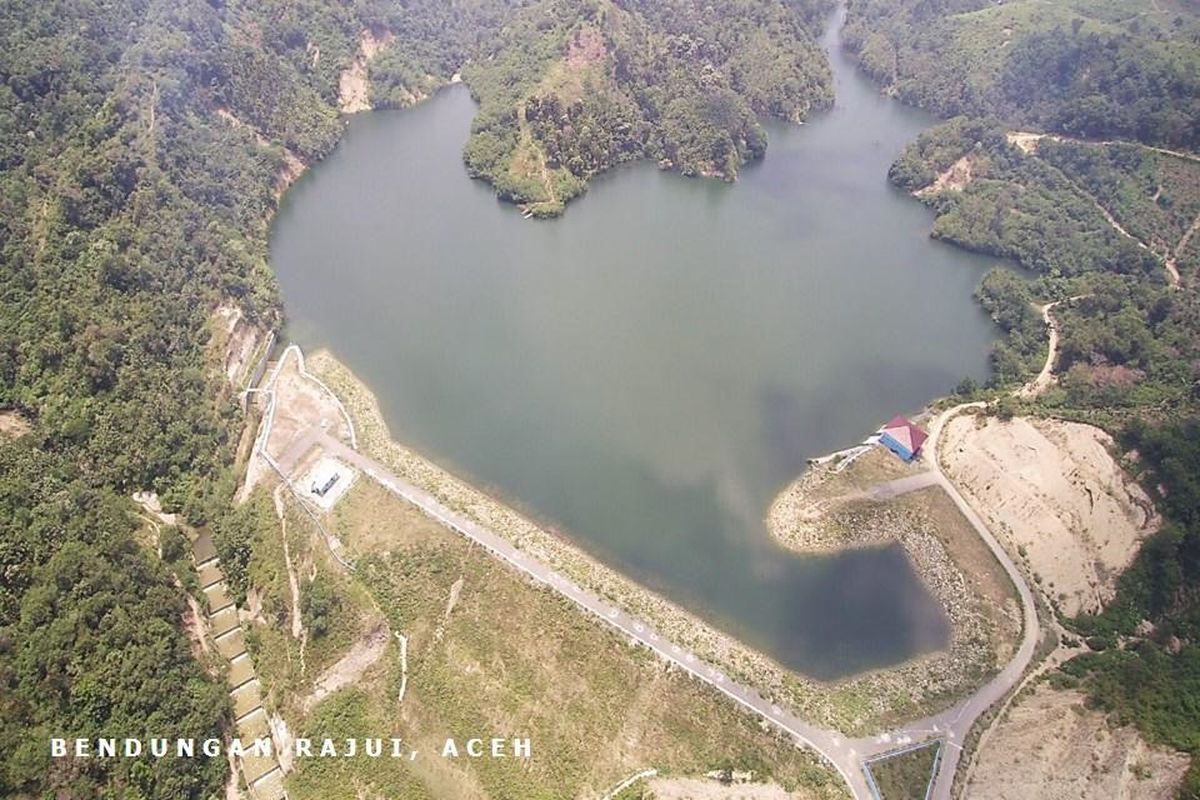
(1026, 141)
(354, 90)
(954, 179)
(709, 789)
(240, 340)
(1050, 746)
(350, 667)
(1055, 492)
(13, 425)
(301, 405)
(1045, 378)
(193, 626)
(150, 503)
(293, 582)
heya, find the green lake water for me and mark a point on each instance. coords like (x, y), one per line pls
(646, 373)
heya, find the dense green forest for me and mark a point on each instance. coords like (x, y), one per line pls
(1129, 338)
(143, 145)
(90, 643)
(1104, 229)
(569, 88)
(433, 40)
(1088, 68)
(129, 210)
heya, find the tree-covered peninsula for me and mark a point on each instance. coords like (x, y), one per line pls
(570, 88)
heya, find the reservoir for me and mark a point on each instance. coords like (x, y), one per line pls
(646, 373)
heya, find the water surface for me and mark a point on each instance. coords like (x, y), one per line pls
(645, 374)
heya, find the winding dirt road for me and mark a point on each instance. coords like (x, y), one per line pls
(1045, 378)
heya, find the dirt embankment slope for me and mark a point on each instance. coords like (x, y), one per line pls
(1055, 492)
(237, 338)
(1051, 747)
(354, 89)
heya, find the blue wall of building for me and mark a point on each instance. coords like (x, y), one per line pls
(897, 448)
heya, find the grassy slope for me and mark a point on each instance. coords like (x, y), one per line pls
(509, 659)
(906, 776)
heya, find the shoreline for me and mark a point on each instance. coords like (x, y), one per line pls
(856, 704)
(855, 520)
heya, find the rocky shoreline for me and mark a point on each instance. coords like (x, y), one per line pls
(805, 520)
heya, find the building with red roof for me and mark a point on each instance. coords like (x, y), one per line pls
(902, 437)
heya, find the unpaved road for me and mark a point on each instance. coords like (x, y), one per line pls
(1046, 377)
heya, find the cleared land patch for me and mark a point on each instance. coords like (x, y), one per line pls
(354, 89)
(1055, 492)
(13, 425)
(954, 179)
(236, 339)
(1051, 746)
(349, 668)
(301, 405)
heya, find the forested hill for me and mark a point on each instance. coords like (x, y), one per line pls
(140, 146)
(1101, 69)
(143, 147)
(1074, 155)
(569, 88)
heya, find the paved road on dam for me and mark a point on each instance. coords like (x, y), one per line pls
(834, 747)
(958, 720)
(844, 754)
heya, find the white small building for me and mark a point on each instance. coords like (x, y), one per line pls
(327, 482)
(325, 477)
